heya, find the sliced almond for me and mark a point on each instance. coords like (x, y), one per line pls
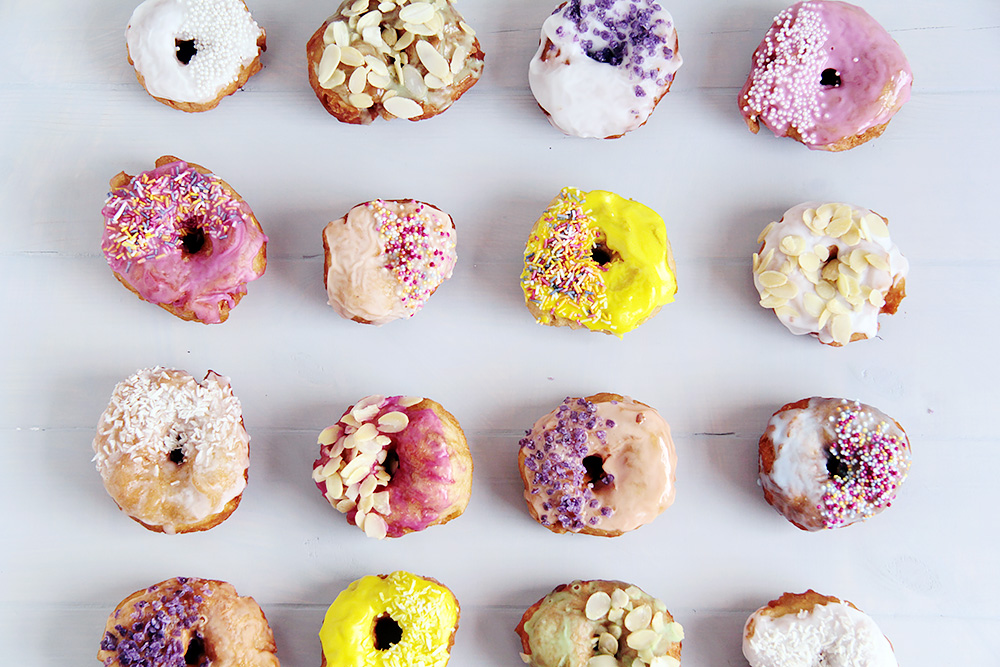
(877, 261)
(840, 329)
(786, 291)
(393, 422)
(360, 100)
(329, 435)
(351, 57)
(598, 606)
(793, 245)
(402, 107)
(375, 526)
(602, 661)
(772, 279)
(765, 232)
(607, 643)
(641, 640)
(809, 262)
(876, 225)
(772, 301)
(619, 599)
(839, 226)
(639, 618)
(335, 80)
(417, 12)
(404, 41)
(826, 291)
(673, 631)
(432, 59)
(409, 401)
(813, 304)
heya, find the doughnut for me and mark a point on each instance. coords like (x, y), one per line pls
(829, 270)
(598, 261)
(599, 624)
(602, 66)
(392, 620)
(189, 54)
(172, 451)
(830, 462)
(407, 60)
(395, 465)
(188, 621)
(385, 258)
(827, 75)
(181, 238)
(807, 628)
(600, 465)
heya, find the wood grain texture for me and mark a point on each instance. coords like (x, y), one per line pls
(714, 363)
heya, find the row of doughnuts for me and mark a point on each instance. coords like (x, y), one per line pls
(180, 237)
(826, 73)
(404, 620)
(174, 455)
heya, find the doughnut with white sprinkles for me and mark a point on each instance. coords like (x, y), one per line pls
(189, 54)
(827, 75)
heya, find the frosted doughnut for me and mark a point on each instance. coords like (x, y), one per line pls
(173, 452)
(188, 621)
(385, 258)
(406, 59)
(830, 462)
(181, 238)
(827, 75)
(599, 624)
(603, 65)
(598, 261)
(809, 629)
(189, 54)
(600, 465)
(395, 465)
(392, 620)
(830, 270)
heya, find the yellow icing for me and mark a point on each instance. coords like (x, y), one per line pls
(563, 280)
(426, 611)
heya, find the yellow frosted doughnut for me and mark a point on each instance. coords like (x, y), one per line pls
(597, 260)
(392, 620)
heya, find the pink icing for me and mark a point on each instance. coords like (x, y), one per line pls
(146, 224)
(786, 89)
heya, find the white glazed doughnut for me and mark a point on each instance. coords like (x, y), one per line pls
(189, 54)
(603, 65)
(809, 630)
(172, 451)
(829, 270)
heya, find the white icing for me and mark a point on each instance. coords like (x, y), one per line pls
(799, 315)
(588, 98)
(225, 37)
(830, 635)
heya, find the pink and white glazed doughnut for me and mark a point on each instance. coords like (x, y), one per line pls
(385, 258)
(827, 75)
(182, 238)
(395, 465)
(189, 54)
(829, 462)
(601, 465)
(800, 629)
(602, 66)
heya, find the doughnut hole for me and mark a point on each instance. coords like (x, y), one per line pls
(602, 254)
(596, 477)
(835, 466)
(386, 632)
(194, 241)
(185, 50)
(830, 77)
(176, 454)
(391, 463)
(195, 653)
(830, 269)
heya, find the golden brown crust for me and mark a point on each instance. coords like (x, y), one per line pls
(259, 264)
(191, 107)
(461, 458)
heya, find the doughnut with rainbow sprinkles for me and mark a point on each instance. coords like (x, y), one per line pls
(181, 238)
(829, 462)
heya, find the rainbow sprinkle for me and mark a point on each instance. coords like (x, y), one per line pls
(419, 248)
(558, 262)
(147, 219)
(872, 464)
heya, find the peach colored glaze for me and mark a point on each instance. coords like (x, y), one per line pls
(424, 485)
(145, 224)
(637, 457)
(785, 91)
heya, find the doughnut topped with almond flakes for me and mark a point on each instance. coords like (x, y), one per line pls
(393, 59)
(385, 258)
(827, 75)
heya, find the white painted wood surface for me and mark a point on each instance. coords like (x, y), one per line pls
(714, 363)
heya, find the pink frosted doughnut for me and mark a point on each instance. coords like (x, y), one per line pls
(180, 237)
(827, 75)
(395, 465)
